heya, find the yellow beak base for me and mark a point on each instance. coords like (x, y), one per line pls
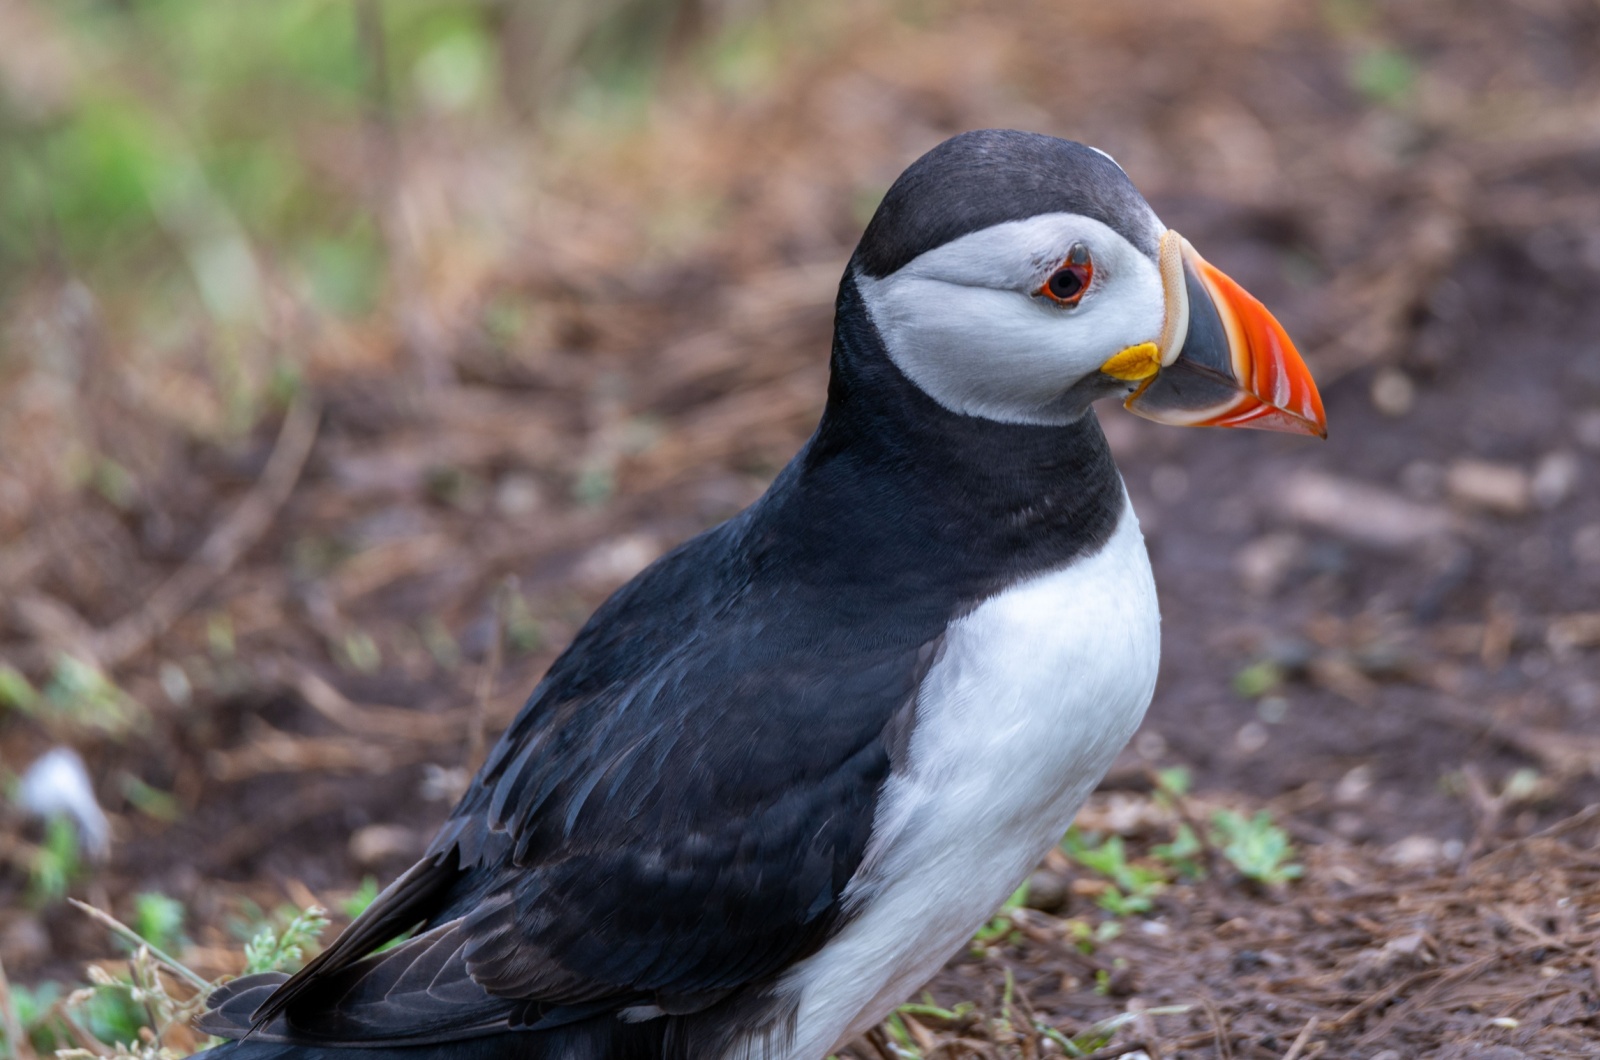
(1134, 363)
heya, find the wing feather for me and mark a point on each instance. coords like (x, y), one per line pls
(674, 815)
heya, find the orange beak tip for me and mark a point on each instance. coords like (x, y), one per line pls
(1270, 370)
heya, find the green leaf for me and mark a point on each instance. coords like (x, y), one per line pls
(56, 864)
(1257, 679)
(16, 691)
(1259, 849)
(159, 919)
(357, 903)
(1385, 76)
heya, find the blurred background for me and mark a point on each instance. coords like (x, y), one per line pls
(352, 351)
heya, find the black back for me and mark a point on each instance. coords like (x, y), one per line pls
(991, 176)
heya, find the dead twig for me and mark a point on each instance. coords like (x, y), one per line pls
(1298, 1045)
(231, 539)
(117, 927)
(370, 719)
(270, 750)
(1219, 1027)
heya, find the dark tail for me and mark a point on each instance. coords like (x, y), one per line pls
(601, 1039)
(749, 1028)
(494, 1047)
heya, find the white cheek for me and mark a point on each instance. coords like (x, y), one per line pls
(994, 352)
(973, 349)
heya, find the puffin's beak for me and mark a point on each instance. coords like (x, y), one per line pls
(1223, 360)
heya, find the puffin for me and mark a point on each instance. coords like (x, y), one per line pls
(783, 775)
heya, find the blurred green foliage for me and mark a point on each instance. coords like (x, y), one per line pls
(1257, 848)
(56, 863)
(1385, 76)
(176, 150)
(159, 919)
(181, 127)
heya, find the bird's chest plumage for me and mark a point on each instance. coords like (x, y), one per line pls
(1034, 693)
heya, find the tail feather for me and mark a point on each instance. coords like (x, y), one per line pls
(607, 1039)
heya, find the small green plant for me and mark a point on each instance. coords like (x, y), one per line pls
(131, 1012)
(524, 634)
(1182, 854)
(16, 691)
(360, 898)
(31, 1007)
(1133, 884)
(154, 803)
(1257, 679)
(159, 919)
(128, 1013)
(1255, 846)
(1173, 783)
(1385, 76)
(56, 862)
(272, 950)
(1087, 939)
(359, 652)
(80, 694)
(1098, 1035)
(927, 1009)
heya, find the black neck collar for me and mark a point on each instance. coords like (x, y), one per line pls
(896, 494)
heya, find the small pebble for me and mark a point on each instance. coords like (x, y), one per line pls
(1415, 851)
(1150, 745)
(1501, 488)
(1272, 709)
(175, 683)
(1361, 512)
(1264, 564)
(1555, 478)
(1048, 892)
(381, 842)
(617, 560)
(1251, 737)
(1393, 392)
(443, 783)
(518, 495)
(1354, 785)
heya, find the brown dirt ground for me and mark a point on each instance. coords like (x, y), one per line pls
(634, 362)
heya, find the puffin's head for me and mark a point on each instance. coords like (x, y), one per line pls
(1019, 277)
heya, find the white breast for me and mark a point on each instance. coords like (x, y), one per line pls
(1035, 693)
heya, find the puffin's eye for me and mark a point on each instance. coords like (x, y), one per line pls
(1067, 284)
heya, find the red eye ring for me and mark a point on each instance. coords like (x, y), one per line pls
(1068, 283)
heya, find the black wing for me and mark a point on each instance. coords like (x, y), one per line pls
(675, 813)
